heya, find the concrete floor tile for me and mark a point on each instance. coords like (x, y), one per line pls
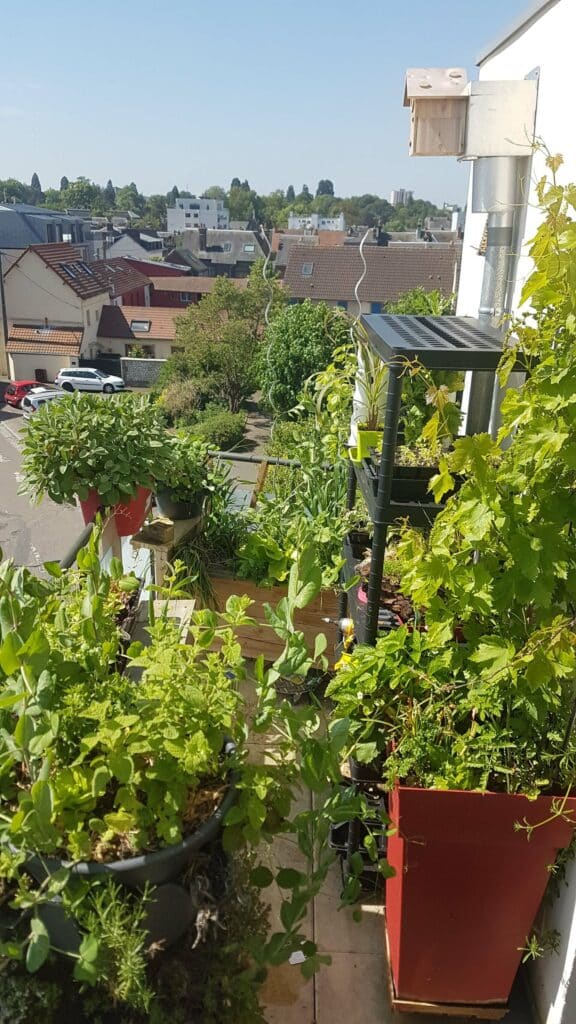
(352, 990)
(287, 997)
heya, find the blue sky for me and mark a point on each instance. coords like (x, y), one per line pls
(194, 92)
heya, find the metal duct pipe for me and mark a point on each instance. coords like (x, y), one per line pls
(496, 190)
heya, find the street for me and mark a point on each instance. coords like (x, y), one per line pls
(30, 534)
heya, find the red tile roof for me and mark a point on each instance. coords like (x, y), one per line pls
(47, 341)
(118, 276)
(67, 261)
(193, 285)
(115, 323)
(391, 270)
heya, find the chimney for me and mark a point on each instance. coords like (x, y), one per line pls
(202, 239)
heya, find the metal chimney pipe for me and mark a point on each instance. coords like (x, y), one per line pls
(496, 190)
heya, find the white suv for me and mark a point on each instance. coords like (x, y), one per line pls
(84, 378)
(38, 397)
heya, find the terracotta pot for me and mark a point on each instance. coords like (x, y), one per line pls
(466, 890)
(129, 515)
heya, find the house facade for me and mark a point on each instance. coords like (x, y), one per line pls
(135, 330)
(50, 288)
(316, 222)
(213, 253)
(22, 225)
(138, 244)
(196, 213)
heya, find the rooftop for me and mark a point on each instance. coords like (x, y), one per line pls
(520, 24)
(332, 274)
(120, 321)
(195, 285)
(50, 341)
(68, 262)
(224, 245)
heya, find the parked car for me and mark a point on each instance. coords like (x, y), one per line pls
(16, 390)
(38, 397)
(85, 378)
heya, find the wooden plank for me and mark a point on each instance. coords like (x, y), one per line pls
(480, 1012)
(261, 639)
(260, 480)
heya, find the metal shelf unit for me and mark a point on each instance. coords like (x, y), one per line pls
(438, 343)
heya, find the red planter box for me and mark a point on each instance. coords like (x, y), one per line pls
(466, 891)
(129, 515)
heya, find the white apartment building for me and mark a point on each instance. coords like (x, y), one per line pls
(401, 196)
(197, 213)
(315, 222)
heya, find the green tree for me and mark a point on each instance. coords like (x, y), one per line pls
(274, 210)
(305, 196)
(81, 193)
(53, 199)
(300, 341)
(173, 195)
(154, 214)
(109, 195)
(35, 183)
(420, 302)
(129, 198)
(64, 183)
(290, 194)
(13, 190)
(325, 187)
(220, 339)
(214, 192)
(241, 204)
(235, 183)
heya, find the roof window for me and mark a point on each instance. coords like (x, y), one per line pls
(141, 326)
(249, 247)
(307, 269)
(68, 271)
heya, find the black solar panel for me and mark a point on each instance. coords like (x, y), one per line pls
(439, 342)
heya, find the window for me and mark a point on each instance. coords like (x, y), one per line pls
(249, 247)
(227, 247)
(307, 269)
(342, 304)
(84, 266)
(68, 271)
(87, 318)
(176, 348)
(140, 325)
(186, 296)
(375, 307)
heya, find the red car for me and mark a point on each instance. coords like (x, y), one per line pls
(16, 390)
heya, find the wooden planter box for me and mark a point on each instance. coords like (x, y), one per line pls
(261, 638)
(465, 894)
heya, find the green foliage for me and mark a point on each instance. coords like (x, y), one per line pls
(300, 341)
(496, 572)
(220, 338)
(96, 766)
(85, 442)
(221, 430)
(419, 302)
(188, 472)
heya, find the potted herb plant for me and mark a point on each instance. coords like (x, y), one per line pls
(110, 785)
(181, 494)
(369, 401)
(105, 452)
(478, 736)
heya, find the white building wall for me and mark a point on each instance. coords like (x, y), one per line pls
(187, 214)
(314, 222)
(34, 292)
(22, 366)
(547, 45)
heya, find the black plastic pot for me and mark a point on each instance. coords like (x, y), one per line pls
(410, 483)
(169, 506)
(156, 868)
(366, 773)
